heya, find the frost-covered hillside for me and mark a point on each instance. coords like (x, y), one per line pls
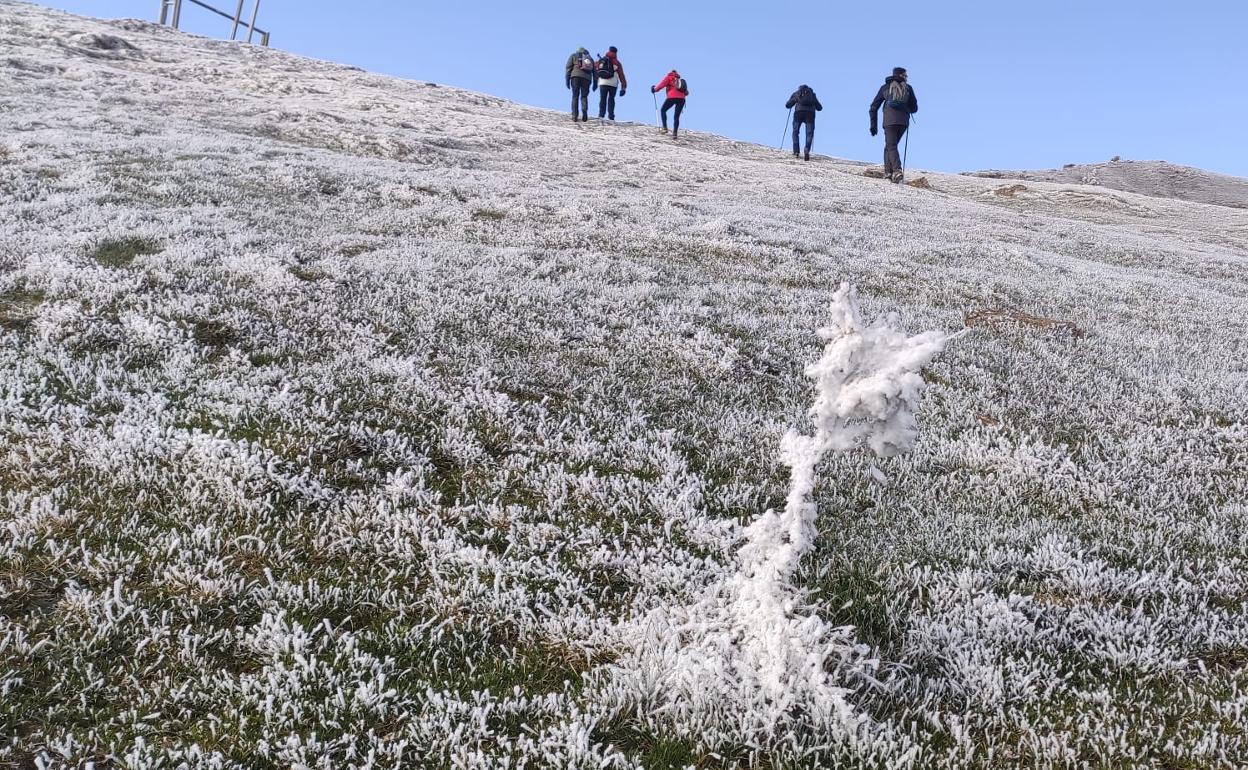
(352, 421)
(1153, 178)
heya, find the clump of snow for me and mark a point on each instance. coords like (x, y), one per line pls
(750, 658)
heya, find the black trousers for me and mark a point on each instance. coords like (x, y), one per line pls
(803, 119)
(892, 158)
(606, 101)
(580, 93)
(667, 105)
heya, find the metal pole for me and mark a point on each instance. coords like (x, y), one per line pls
(238, 15)
(264, 40)
(785, 135)
(905, 155)
(177, 13)
(164, 12)
(251, 28)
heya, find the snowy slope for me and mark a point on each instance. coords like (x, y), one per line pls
(1157, 179)
(352, 421)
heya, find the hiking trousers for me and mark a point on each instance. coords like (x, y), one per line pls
(606, 101)
(892, 158)
(679, 104)
(580, 93)
(803, 118)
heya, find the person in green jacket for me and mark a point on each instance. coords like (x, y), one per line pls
(581, 75)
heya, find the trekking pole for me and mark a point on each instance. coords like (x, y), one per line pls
(786, 128)
(655, 99)
(905, 154)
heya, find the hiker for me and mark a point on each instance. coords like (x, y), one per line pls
(899, 102)
(804, 104)
(677, 90)
(610, 78)
(580, 75)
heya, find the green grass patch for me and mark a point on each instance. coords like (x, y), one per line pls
(656, 752)
(310, 274)
(213, 334)
(119, 253)
(354, 250)
(17, 307)
(861, 598)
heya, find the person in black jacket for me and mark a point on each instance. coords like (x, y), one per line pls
(804, 104)
(900, 103)
(610, 79)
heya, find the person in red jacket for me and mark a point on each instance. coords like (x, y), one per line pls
(677, 90)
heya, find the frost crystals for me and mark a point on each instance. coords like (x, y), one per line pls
(749, 655)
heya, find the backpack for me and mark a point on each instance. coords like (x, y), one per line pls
(584, 62)
(680, 85)
(606, 68)
(898, 96)
(805, 97)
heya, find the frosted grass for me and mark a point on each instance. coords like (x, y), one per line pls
(350, 421)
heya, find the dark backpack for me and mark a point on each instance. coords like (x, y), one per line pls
(606, 68)
(680, 85)
(805, 97)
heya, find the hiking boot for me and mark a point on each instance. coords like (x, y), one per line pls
(897, 177)
(663, 130)
(806, 156)
(796, 154)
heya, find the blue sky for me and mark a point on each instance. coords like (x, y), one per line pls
(1001, 83)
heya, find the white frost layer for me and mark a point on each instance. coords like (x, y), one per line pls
(422, 399)
(749, 653)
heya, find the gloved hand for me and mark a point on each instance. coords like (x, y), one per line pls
(653, 89)
(567, 84)
(874, 130)
(594, 87)
(622, 92)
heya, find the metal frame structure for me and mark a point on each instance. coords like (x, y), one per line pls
(171, 14)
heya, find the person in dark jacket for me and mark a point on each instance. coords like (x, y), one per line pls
(804, 104)
(580, 75)
(900, 103)
(610, 78)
